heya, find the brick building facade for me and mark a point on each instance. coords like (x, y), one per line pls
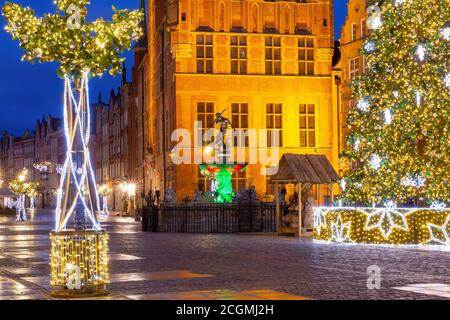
(268, 64)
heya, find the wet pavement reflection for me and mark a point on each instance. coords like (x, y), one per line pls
(222, 266)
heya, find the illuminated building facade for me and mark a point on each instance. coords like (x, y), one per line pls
(268, 64)
(50, 150)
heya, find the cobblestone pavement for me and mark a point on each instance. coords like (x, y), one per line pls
(224, 266)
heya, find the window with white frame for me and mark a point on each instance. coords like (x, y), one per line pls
(364, 32)
(354, 31)
(353, 68)
(365, 65)
(307, 125)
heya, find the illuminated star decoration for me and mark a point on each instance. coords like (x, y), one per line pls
(437, 205)
(374, 21)
(421, 51)
(340, 232)
(375, 162)
(439, 234)
(363, 104)
(447, 80)
(320, 219)
(446, 33)
(387, 117)
(369, 46)
(386, 219)
(415, 181)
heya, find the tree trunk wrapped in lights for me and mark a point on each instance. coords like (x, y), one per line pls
(400, 129)
(83, 49)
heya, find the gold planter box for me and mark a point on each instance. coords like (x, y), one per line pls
(392, 226)
(79, 263)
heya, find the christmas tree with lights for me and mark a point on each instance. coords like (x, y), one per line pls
(400, 128)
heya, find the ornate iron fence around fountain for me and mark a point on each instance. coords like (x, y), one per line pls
(210, 218)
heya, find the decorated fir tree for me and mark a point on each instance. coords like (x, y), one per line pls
(400, 127)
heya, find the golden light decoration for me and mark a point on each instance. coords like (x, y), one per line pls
(92, 47)
(79, 256)
(421, 227)
(405, 121)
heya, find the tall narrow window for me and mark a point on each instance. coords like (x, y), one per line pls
(353, 68)
(239, 119)
(221, 17)
(365, 65)
(205, 114)
(238, 54)
(203, 183)
(307, 126)
(363, 28)
(255, 17)
(305, 56)
(274, 123)
(273, 55)
(287, 20)
(239, 180)
(270, 185)
(204, 53)
(354, 31)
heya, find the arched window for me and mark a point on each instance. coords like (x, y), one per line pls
(255, 17)
(221, 17)
(287, 20)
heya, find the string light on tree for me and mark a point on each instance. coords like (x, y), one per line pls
(369, 46)
(410, 78)
(421, 52)
(374, 20)
(447, 80)
(375, 162)
(387, 117)
(446, 33)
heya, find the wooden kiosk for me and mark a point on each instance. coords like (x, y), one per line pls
(302, 170)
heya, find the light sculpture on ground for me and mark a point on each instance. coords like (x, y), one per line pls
(401, 124)
(83, 49)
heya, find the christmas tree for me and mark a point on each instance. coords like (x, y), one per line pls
(399, 143)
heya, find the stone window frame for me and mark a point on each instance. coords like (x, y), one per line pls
(205, 53)
(272, 53)
(238, 54)
(305, 56)
(307, 125)
(274, 122)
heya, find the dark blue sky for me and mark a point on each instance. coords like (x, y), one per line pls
(28, 91)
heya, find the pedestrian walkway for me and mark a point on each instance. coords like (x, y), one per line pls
(151, 266)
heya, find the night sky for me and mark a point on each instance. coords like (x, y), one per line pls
(27, 91)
